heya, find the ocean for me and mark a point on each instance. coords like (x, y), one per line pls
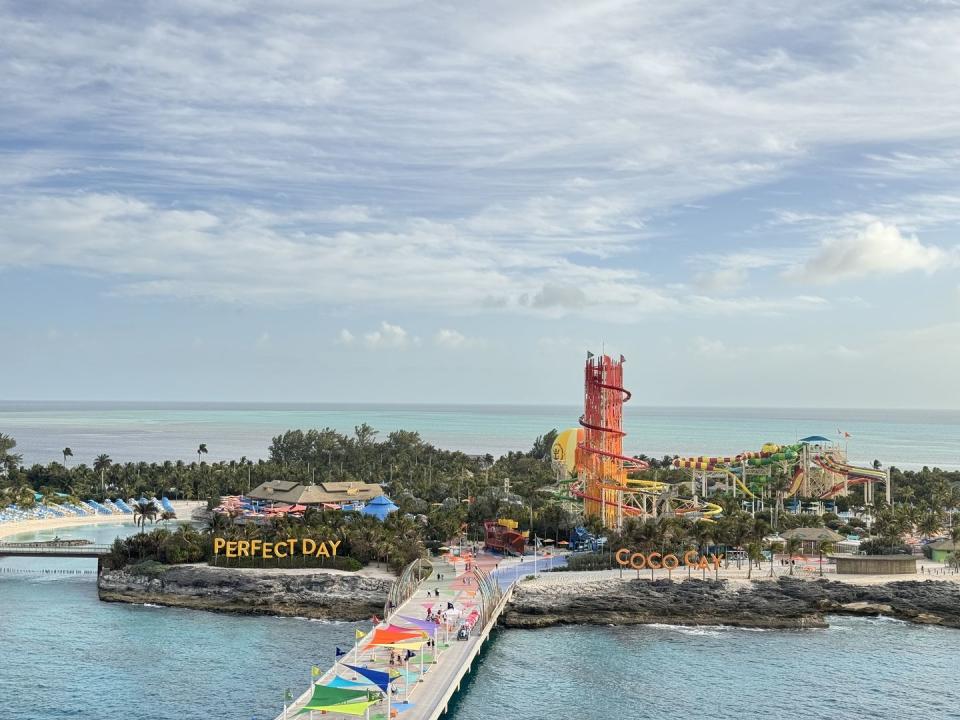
(64, 654)
(172, 431)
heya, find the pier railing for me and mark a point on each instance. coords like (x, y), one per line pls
(489, 593)
(405, 585)
(51, 550)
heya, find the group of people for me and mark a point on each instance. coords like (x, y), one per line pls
(397, 658)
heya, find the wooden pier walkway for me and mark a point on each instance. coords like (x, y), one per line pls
(426, 696)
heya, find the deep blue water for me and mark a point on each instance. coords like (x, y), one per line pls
(64, 654)
(170, 431)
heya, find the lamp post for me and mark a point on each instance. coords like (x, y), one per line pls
(534, 534)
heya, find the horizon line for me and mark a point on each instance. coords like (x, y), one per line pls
(374, 404)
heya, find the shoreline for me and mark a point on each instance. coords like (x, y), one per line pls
(303, 592)
(763, 603)
(183, 508)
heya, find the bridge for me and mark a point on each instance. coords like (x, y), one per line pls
(53, 549)
(425, 683)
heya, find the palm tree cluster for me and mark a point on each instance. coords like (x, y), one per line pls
(395, 542)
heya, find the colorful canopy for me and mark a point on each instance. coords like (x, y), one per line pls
(339, 682)
(377, 677)
(393, 634)
(355, 708)
(426, 625)
(324, 696)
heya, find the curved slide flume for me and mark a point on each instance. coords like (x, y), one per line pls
(795, 485)
(853, 475)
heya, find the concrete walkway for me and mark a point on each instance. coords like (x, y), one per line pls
(428, 694)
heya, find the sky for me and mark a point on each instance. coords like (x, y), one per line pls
(755, 203)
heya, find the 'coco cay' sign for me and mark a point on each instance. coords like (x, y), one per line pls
(304, 547)
(655, 560)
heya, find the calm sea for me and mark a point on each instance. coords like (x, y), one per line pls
(64, 654)
(165, 431)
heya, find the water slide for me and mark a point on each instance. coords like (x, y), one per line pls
(852, 474)
(797, 482)
(767, 455)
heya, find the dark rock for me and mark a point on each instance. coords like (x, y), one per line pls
(324, 595)
(784, 603)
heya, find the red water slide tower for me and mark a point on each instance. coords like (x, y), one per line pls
(600, 460)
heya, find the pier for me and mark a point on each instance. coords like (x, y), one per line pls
(50, 549)
(426, 682)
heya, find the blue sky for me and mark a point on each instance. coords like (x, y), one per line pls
(401, 202)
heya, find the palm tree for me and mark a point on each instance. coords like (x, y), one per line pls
(8, 461)
(823, 547)
(754, 556)
(67, 452)
(775, 547)
(167, 515)
(792, 546)
(143, 511)
(101, 464)
(202, 450)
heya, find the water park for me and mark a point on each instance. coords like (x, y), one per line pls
(592, 467)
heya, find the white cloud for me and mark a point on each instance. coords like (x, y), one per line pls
(263, 340)
(878, 248)
(388, 336)
(345, 337)
(711, 347)
(538, 147)
(455, 340)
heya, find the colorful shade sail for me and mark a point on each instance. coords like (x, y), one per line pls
(394, 634)
(324, 695)
(355, 708)
(377, 677)
(426, 625)
(339, 682)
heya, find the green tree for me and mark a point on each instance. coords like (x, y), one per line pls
(823, 548)
(201, 450)
(9, 461)
(792, 547)
(143, 511)
(67, 452)
(101, 464)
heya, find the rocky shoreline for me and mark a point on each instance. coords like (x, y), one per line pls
(319, 595)
(785, 603)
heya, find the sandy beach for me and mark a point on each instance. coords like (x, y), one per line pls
(183, 508)
(926, 570)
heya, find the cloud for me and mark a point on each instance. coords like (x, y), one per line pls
(711, 348)
(263, 340)
(388, 336)
(877, 249)
(345, 337)
(525, 160)
(559, 296)
(455, 340)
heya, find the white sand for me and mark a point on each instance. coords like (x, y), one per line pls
(183, 508)
(931, 571)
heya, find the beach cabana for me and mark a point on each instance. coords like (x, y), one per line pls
(812, 537)
(941, 550)
(379, 507)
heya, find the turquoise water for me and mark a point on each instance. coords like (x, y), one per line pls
(162, 431)
(64, 654)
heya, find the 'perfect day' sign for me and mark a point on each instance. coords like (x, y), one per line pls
(294, 547)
